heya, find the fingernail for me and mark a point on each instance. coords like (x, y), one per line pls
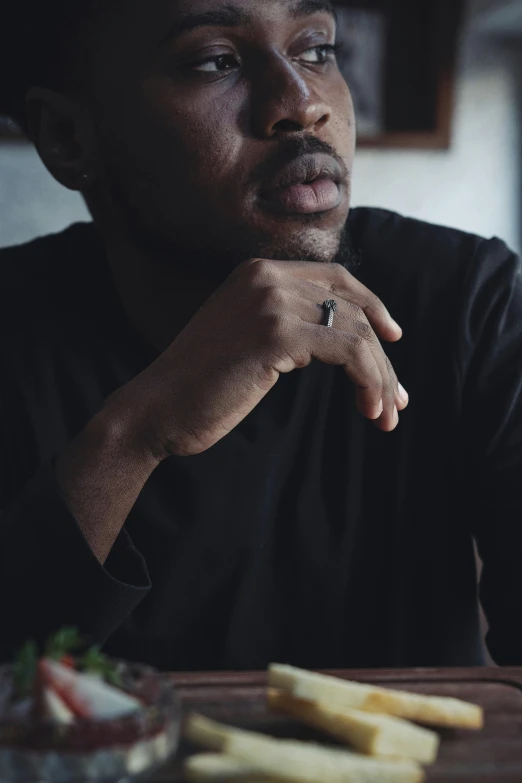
(403, 394)
(394, 322)
(395, 416)
(378, 411)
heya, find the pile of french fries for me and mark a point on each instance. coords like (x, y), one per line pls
(385, 746)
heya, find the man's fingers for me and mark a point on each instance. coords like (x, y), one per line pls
(350, 319)
(338, 282)
(390, 395)
(403, 398)
(381, 320)
(352, 352)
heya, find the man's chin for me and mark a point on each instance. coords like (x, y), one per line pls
(313, 250)
(308, 242)
(308, 245)
(316, 236)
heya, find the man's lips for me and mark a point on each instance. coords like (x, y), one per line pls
(307, 185)
(321, 195)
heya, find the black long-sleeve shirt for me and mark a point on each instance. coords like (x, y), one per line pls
(305, 535)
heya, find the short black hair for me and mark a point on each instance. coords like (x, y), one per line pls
(35, 38)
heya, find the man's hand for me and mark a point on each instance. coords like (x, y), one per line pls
(266, 319)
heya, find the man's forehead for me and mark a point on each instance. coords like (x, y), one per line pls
(291, 6)
(249, 9)
(232, 13)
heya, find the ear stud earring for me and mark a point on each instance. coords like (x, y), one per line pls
(84, 179)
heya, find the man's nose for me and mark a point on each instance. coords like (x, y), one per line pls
(285, 102)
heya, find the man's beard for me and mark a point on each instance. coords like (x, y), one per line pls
(219, 264)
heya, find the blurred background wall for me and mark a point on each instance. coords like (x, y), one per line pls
(476, 185)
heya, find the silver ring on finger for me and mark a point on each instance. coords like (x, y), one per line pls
(329, 307)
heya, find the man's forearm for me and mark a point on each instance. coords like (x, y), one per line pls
(100, 474)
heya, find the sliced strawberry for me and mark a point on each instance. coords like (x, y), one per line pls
(85, 695)
(60, 679)
(68, 661)
(55, 708)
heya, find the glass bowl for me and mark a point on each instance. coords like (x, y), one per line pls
(123, 749)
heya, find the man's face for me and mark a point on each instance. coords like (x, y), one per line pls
(212, 116)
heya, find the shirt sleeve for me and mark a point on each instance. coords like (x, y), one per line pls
(49, 576)
(489, 371)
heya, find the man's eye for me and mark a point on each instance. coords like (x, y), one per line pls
(320, 54)
(219, 64)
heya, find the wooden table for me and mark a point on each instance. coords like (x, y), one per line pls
(493, 755)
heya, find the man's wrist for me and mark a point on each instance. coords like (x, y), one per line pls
(118, 431)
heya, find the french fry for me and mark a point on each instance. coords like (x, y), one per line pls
(216, 768)
(207, 733)
(305, 763)
(298, 762)
(375, 735)
(337, 693)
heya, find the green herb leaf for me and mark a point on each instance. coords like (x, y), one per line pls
(96, 662)
(24, 668)
(66, 641)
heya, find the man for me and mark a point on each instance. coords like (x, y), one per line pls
(202, 464)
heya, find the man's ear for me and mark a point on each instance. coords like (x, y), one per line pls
(57, 128)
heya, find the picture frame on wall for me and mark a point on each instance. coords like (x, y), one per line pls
(398, 58)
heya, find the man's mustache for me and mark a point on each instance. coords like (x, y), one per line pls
(291, 148)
